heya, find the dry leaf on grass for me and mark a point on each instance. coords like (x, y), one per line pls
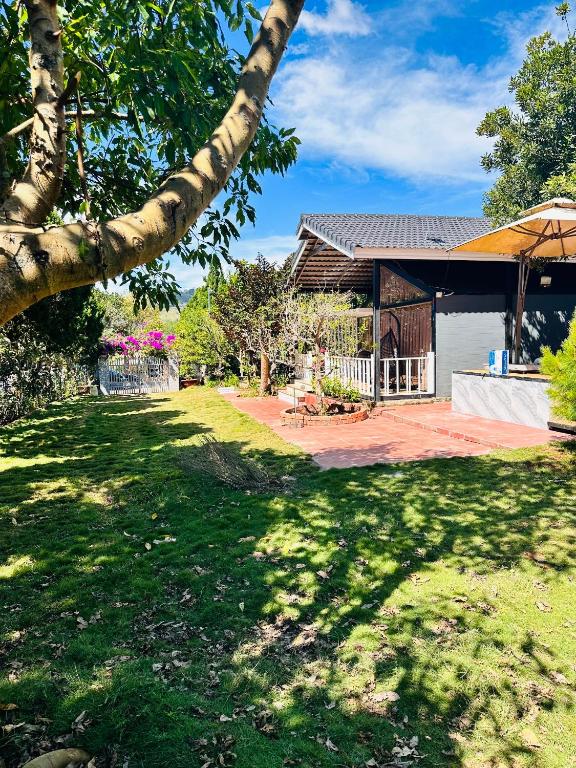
(545, 607)
(385, 696)
(530, 739)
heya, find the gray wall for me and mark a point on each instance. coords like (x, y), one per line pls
(467, 328)
(546, 320)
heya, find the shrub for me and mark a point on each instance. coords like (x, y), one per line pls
(333, 387)
(230, 380)
(31, 376)
(561, 367)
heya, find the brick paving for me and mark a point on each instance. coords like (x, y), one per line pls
(438, 417)
(392, 435)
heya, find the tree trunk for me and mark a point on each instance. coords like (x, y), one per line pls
(523, 276)
(38, 262)
(264, 373)
(32, 198)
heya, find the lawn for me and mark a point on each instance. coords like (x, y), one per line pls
(410, 615)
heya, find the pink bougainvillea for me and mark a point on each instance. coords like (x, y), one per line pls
(151, 342)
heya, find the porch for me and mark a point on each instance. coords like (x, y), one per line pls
(393, 340)
(399, 376)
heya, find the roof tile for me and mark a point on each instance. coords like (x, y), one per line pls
(374, 230)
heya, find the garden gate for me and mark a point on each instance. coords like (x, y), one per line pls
(137, 375)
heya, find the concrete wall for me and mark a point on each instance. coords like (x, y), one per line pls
(504, 398)
(467, 327)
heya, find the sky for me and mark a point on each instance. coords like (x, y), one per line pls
(386, 98)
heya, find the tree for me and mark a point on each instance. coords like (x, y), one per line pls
(310, 320)
(200, 342)
(70, 323)
(156, 79)
(250, 308)
(535, 147)
(121, 317)
(534, 151)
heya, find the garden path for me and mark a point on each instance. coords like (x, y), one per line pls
(396, 434)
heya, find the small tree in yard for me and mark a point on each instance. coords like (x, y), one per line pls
(561, 367)
(310, 319)
(200, 342)
(250, 308)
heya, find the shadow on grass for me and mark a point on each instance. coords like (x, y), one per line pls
(326, 626)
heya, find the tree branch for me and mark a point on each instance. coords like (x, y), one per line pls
(35, 263)
(87, 114)
(33, 197)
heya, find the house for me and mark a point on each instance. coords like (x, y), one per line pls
(432, 310)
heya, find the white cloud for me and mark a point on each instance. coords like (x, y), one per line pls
(383, 114)
(342, 17)
(387, 108)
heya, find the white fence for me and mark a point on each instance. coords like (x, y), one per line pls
(408, 375)
(399, 376)
(303, 367)
(357, 372)
(136, 375)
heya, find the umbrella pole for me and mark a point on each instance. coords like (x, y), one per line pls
(523, 275)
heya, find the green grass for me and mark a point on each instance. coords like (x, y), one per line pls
(355, 611)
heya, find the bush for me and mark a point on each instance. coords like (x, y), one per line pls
(31, 376)
(333, 387)
(561, 367)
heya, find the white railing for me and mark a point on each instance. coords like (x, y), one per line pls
(400, 376)
(357, 372)
(408, 375)
(303, 367)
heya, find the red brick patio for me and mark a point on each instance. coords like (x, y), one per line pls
(404, 433)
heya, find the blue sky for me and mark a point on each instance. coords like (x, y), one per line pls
(386, 97)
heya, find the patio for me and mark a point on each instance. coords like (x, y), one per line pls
(397, 434)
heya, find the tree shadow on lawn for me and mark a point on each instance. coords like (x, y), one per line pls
(326, 626)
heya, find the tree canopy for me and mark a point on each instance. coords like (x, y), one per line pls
(158, 122)
(535, 141)
(250, 306)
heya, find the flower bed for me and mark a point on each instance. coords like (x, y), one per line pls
(337, 413)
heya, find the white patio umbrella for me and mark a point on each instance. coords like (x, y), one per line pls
(546, 231)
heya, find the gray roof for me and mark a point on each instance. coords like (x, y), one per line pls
(347, 231)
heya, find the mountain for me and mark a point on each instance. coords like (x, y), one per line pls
(185, 296)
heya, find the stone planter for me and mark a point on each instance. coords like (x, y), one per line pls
(298, 417)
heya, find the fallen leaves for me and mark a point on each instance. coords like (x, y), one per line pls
(171, 662)
(266, 722)
(544, 607)
(215, 752)
(85, 623)
(385, 696)
(559, 678)
(404, 754)
(530, 739)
